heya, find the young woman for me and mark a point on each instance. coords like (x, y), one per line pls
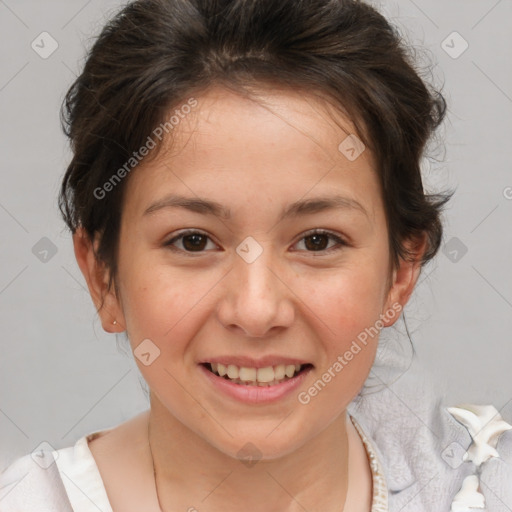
(246, 204)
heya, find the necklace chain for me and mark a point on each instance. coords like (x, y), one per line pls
(154, 470)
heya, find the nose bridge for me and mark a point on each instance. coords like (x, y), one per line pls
(258, 281)
(258, 300)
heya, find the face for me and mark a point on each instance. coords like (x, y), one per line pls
(252, 243)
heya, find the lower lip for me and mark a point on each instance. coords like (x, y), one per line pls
(255, 394)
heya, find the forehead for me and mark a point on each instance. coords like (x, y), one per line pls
(280, 143)
(278, 119)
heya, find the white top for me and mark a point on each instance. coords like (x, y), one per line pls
(81, 476)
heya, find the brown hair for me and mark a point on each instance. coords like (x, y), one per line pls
(154, 54)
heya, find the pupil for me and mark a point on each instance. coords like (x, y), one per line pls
(317, 244)
(196, 243)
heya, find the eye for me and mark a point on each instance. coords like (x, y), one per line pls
(190, 240)
(318, 240)
(196, 241)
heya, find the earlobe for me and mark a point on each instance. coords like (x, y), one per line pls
(405, 278)
(96, 276)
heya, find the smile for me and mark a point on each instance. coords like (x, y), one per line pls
(262, 377)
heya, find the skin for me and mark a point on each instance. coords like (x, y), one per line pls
(255, 158)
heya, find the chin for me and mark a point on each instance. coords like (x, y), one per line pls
(260, 444)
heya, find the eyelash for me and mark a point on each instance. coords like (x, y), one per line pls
(341, 243)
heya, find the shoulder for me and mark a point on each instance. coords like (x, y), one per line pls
(434, 454)
(490, 454)
(72, 478)
(33, 483)
(60, 480)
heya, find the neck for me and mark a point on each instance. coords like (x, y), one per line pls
(191, 474)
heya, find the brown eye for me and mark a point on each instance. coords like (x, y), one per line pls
(191, 241)
(194, 242)
(318, 241)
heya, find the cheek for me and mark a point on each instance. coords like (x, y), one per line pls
(163, 305)
(163, 312)
(348, 300)
(347, 307)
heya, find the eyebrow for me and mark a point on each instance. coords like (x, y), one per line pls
(298, 208)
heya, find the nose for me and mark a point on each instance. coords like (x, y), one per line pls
(256, 298)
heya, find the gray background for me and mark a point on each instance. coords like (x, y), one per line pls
(63, 377)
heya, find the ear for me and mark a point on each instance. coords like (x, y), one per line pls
(96, 275)
(404, 279)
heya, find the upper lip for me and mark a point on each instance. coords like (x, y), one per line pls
(250, 362)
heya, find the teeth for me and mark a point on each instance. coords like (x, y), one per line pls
(265, 374)
(268, 376)
(247, 373)
(232, 371)
(289, 370)
(279, 372)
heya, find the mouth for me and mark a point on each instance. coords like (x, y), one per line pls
(260, 377)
